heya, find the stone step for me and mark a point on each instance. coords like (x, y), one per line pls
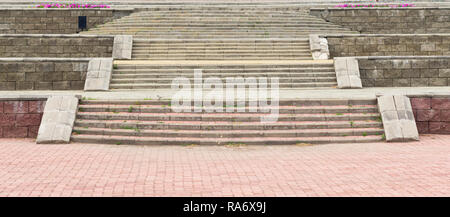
(283, 102)
(282, 80)
(306, 66)
(123, 140)
(283, 109)
(213, 25)
(230, 117)
(246, 75)
(225, 125)
(230, 133)
(131, 86)
(219, 57)
(220, 47)
(220, 51)
(121, 69)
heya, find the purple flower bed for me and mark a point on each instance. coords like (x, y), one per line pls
(56, 5)
(374, 5)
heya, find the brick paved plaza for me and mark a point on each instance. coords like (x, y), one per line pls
(240, 98)
(375, 169)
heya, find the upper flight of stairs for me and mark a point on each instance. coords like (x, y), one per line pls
(219, 22)
(291, 74)
(152, 122)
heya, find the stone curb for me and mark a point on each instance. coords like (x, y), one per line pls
(380, 35)
(347, 73)
(398, 118)
(400, 57)
(40, 59)
(56, 35)
(98, 74)
(29, 97)
(58, 120)
(123, 46)
(68, 9)
(319, 47)
(379, 8)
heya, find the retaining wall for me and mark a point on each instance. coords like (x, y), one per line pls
(20, 118)
(389, 20)
(54, 20)
(407, 71)
(388, 44)
(54, 45)
(432, 113)
(43, 73)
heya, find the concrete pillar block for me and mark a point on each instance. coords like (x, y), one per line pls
(58, 120)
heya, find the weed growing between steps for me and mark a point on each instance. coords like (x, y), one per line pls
(235, 95)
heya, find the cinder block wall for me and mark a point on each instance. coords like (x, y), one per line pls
(388, 20)
(407, 72)
(51, 45)
(53, 20)
(20, 118)
(43, 73)
(432, 113)
(389, 45)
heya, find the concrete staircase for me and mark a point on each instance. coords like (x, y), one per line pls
(291, 74)
(219, 22)
(152, 122)
(264, 40)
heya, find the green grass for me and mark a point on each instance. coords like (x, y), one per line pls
(364, 134)
(127, 127)
(339, 114)
(130, 109)
(115, 66)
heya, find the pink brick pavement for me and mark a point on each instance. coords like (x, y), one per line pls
(378, 169)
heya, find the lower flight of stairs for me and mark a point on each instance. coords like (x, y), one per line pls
(291, 74)
(221, 49)
(152, 122)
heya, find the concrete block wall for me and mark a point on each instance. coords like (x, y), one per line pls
(55, 45)
(43, 73)
(432, 113)
(20, 118)
(389, 20)
(420, 71)
(53, 20)
(388, 45)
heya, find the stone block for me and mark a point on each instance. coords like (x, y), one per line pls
(347, 72)
(58, 119)
(428, 115)
(422, 127)
(15, 132)
(421, 103)
(398, 119)
(36, 106)
(33, 131)
(392, 131)
(440, 103)
(444, 115)
(15, 107)
(7, 120)
(24, 120)
(123, 45)
(99, 74)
